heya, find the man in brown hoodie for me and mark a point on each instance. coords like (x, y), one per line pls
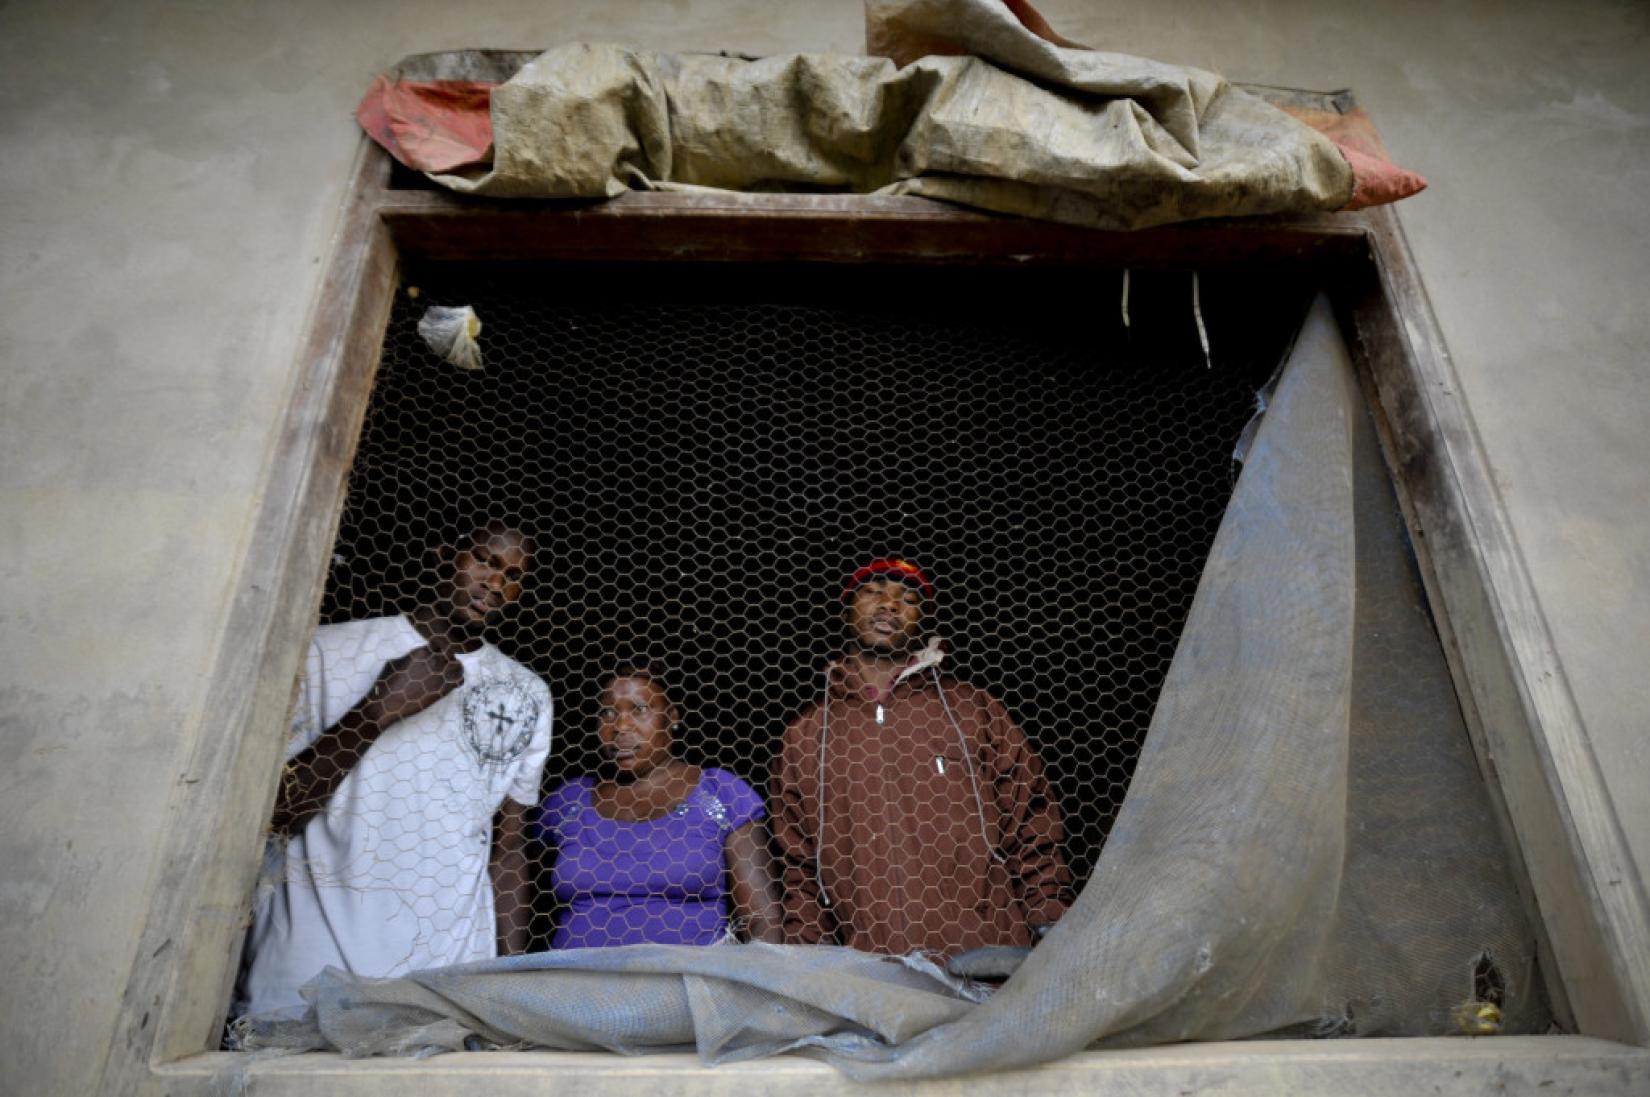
(910, 811)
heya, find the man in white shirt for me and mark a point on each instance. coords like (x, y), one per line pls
(411, 734)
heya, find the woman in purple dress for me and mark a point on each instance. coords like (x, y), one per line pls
(655, 853)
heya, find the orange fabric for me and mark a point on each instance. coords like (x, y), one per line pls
(1032, 20)
(436, 125)
(1376, 180)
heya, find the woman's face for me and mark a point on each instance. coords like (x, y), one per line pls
(634, 725)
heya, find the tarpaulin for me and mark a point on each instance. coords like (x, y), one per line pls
(978, 102)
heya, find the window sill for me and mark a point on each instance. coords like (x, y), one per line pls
(1402, 1068)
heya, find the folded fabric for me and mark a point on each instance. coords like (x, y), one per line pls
(429, 125)
(729, 1002)
(905, 30)
(1377, 181)
(992, 108)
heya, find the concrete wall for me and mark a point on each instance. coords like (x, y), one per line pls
(169, 178)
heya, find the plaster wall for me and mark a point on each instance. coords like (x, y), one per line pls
(170, 178)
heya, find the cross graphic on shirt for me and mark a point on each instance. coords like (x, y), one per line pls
(499, 717)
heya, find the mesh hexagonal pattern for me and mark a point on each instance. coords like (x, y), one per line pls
(701, 465)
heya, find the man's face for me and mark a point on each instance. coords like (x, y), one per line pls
(885, 616)
(487, 574)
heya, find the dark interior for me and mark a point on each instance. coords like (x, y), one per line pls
(705, 452)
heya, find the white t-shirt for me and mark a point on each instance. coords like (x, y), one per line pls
(393, 876)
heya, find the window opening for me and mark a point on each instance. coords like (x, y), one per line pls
(704, 474)
(694, 468)
(701, 465)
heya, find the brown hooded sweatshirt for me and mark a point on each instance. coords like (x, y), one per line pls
(938, 836)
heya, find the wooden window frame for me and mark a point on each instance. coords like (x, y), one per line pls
(1524, 723)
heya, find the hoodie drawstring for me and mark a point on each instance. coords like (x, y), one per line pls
(819, 833)
(968, 760)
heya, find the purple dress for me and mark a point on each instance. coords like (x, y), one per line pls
(659, 880)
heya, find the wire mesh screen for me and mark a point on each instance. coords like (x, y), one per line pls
(701, 462)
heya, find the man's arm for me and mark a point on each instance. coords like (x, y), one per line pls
(750, 877)
(405, 687)
(1030, 812)
(512, 886)
(795, 817)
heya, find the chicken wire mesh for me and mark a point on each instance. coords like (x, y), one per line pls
(671, 482)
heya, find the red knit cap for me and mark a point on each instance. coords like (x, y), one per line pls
(889, 567)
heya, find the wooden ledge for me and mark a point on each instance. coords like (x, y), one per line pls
(1545, 1065)
(734, 226)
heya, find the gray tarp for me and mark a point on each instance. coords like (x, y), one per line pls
(1022, 126)
(1307, 845)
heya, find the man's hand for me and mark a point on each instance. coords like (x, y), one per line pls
(412, 683)
(405, 687)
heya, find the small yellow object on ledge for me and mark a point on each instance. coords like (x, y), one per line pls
(1475, 1018)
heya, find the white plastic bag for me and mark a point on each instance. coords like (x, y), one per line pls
(451, 333)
